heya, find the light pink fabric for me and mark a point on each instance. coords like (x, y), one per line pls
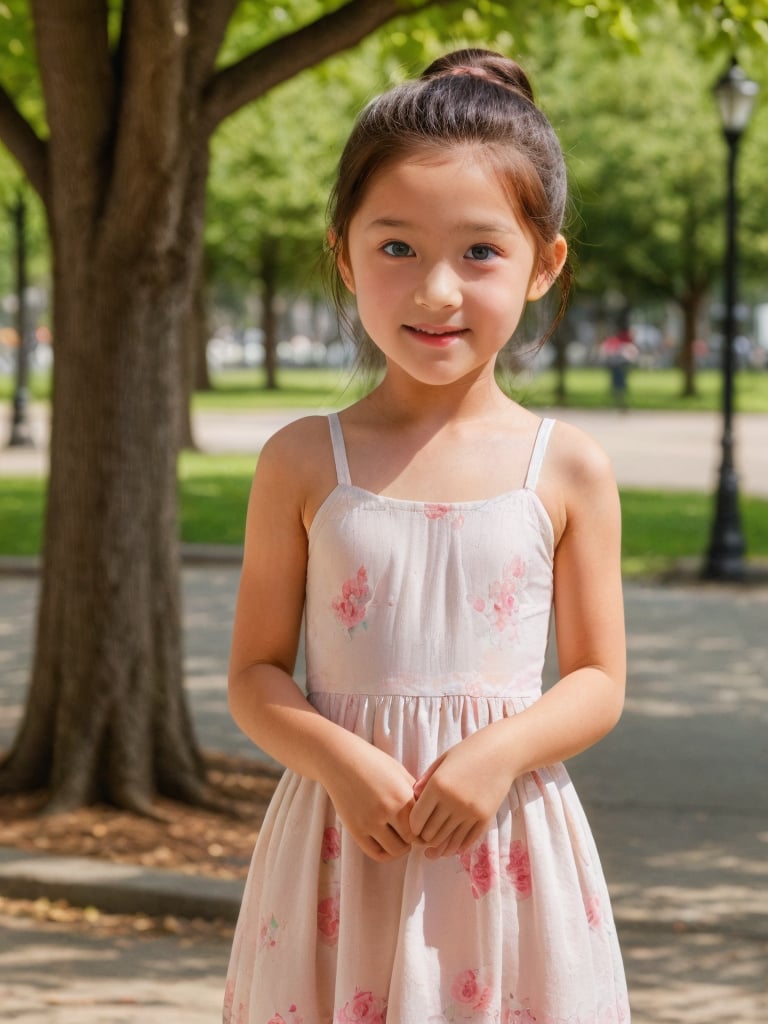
(425, 622)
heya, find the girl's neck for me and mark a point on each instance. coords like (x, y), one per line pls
(401, 399)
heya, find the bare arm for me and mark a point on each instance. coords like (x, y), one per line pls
(462, 791)
(372, 793)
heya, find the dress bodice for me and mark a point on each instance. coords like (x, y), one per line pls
(428, 599)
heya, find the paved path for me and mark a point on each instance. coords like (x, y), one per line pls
(55, 976)
(676, 450)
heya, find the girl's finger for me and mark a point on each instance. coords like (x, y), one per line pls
(437, 830)
(435, 852)
(456, 842)
(433, 825)
(420, 783)
(473, 836)
(391, 843)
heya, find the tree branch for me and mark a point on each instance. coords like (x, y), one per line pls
(208, 21)
(78, 86)
(163, 49)
(280, 60)
(23, 143)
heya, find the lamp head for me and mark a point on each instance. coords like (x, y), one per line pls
(736, 95)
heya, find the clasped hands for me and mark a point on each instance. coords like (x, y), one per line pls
(388, 811)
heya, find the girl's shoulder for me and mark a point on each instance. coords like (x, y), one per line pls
(296, 464)
(576, 457)
(299, 441)
(577, 479)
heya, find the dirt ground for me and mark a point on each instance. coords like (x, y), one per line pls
(187, 839)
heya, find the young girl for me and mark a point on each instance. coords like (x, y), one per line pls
(425, 858)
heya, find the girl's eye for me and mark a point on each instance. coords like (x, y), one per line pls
(398, 249)
(482, 253)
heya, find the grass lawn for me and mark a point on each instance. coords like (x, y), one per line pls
(587, 387)
(659, 527)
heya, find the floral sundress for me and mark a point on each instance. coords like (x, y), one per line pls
(424, 623)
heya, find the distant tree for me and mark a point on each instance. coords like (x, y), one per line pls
(647, 155)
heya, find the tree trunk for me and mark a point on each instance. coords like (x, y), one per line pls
(561, 367)
(106, 715)
(268, 312)
(192, 358)
(690, 305)
(201, 333)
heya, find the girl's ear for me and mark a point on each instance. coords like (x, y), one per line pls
(343, 267)
(549, 269)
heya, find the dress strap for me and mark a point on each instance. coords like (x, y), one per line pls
(537, 455)
(339, 451)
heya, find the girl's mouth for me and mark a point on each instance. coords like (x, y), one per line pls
(439, 337)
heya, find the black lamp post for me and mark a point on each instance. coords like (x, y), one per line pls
(735, 95)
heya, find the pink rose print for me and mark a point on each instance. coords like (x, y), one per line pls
(502, 605)
(468, 990)
(519, 869)
(447, 512)
(228, 1008)
(293, 1017)
(362, 1008)
(594, 912)
(328, 920)
(331, 848)
(268, 932)
(355, 595)
(479, 865)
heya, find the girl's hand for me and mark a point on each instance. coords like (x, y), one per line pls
(373, 797)
(458, 797)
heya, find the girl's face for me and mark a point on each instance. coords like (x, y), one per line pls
(441, 267)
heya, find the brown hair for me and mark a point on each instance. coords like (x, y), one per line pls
(468, 97)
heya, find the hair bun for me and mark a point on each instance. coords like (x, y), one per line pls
(485, 64)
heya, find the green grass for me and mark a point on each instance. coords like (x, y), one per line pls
(297, 389)
(21, 515)
(213, 497)
(660, 527)
(39, 386)
(587, 388)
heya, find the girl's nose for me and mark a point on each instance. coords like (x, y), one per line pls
(439, 288)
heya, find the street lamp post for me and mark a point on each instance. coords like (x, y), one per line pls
(735, 95)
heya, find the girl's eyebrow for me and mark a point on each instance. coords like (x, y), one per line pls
(469, 228)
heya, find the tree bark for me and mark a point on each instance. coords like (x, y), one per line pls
(193, 366)
(201, 333)
(561, 366)
(690, 305)
(268, 312)
(106, 715)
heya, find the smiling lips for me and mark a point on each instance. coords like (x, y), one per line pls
(437, 335)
